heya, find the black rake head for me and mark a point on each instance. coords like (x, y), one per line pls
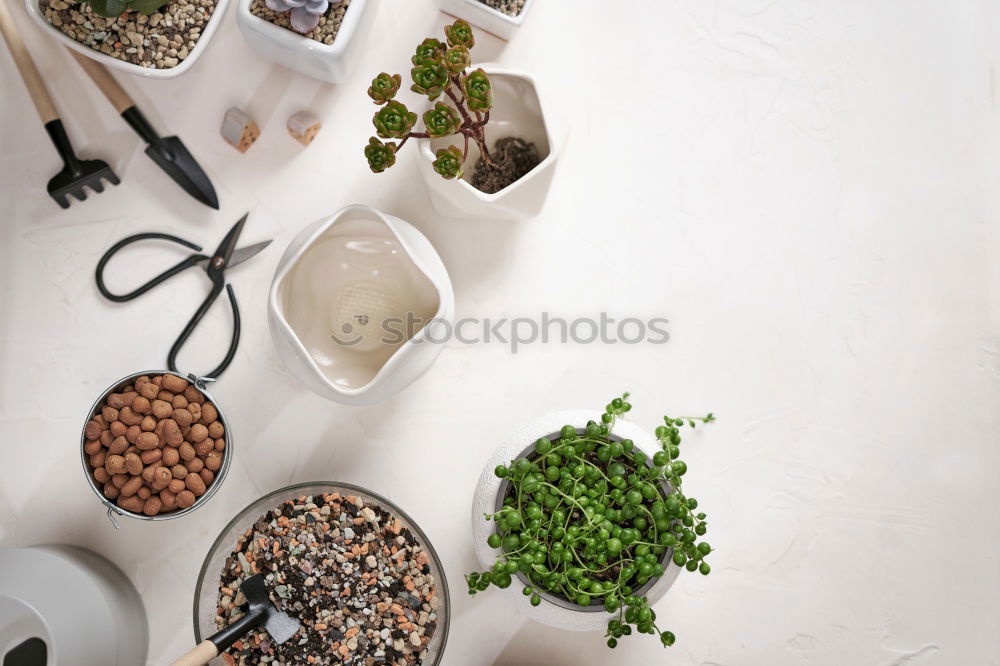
(71, 182)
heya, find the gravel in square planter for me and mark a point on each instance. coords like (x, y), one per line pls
(160, 40)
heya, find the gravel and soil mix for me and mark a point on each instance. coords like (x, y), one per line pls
(508, 7)
(325, 32)
(512, 159)
(357, 580)
(159, 41)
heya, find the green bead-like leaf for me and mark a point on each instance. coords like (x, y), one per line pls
(457, 59)
(459, 33)
(429, 78)
(384, 87)
(478, 90)
(429, 49)
(394, 120)
(449, 162)
(442, 120)
(380, 155)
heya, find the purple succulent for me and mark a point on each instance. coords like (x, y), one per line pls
(303, 14)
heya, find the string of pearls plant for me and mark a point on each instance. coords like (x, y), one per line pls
(592, 519)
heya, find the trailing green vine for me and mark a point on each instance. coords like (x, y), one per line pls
(592, 519)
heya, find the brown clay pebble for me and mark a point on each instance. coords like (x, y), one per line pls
(194, 395)
(106, 438)
(152, 506)
(185, 449)
(91, 447)
(209, 413)
(179, 471)
(207, 476)
(195, 484)
(97, 460)
(169, 500)
(185, 499)
(130, 503)
(132, 434)
(148, 471)
(149, 391)
(172, 432)
(132, 486)
(213, 461)
(118, 429)
(204, 447)
(140, 405)
(170, 456)
(175, 486)
(148, 440)
(144, 493)
(133, 464)
(148, 423)
(179, 402)
(183, 417)
(215, 429)
(220, 444)
(110, 491)
(195, 465)
(110, 414)
(116, 400)
(120, 480)
(101, 475)
(198, 433)
(162, 475)
(128, 417)
(118, 446)
(161, 409)
(174, 383)
(151, 456)
(115, 464)
(165, 395)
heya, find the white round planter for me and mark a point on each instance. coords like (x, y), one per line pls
(306, 304)
(326, 62)
(218, 15)
(520, 110)
(482, 15)
(562, 615)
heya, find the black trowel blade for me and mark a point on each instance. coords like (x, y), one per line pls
(173, 157)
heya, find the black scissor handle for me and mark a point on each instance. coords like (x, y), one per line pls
(170, 272)
(193, 323)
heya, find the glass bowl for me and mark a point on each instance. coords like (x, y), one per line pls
(206, 591)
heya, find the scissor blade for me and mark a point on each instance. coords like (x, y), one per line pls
(241, 254)
(228, 244)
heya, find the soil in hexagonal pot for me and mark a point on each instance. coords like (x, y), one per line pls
(508, 7)
(512, 158)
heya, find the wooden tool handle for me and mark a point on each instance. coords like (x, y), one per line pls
(100, 75)
(26, 66)
(200, 654)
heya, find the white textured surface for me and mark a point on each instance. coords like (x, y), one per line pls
(804, 188)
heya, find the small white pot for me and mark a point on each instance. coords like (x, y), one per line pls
(518, 110)
(326, 62)
(484, 16)
(560, 615)
(199, 47)
(389, 269)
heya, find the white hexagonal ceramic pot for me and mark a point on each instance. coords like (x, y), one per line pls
(519, 109)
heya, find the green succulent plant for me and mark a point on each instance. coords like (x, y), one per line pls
(459, 33)
(380, 155)
(442, 120)
(590, 518)
(437, 70)
(478, 90)
(394, 120)
(384, 87)
(429, 49)
(457, 59)
(430, 78)
(114, 8)
(449, 162)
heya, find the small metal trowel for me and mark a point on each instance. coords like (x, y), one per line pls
(260, 613)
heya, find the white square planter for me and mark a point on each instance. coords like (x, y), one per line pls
(218, 14)
(518, 110)
(327, 62)
(485, 17)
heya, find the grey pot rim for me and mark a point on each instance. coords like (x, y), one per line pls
(554, 599)
(220, 476)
